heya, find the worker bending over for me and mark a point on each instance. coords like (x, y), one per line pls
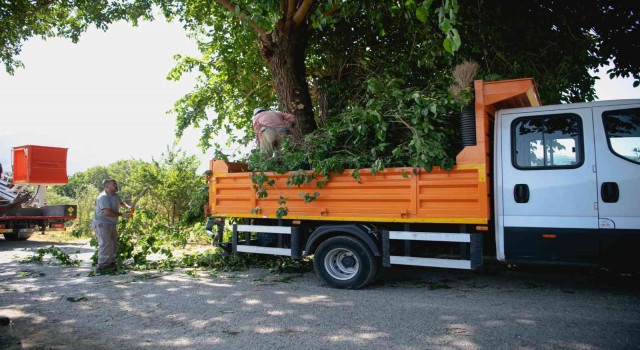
(272, 128)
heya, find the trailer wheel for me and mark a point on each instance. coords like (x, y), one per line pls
(345, 263)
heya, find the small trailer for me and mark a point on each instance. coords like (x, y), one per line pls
(34, 169)
(535, 184)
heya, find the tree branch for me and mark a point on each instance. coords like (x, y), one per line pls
(256, 89)
(291, 8)
(302, 12)
(244, 16)
(333, 10)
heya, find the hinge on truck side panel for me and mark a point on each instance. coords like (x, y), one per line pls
(595, 169)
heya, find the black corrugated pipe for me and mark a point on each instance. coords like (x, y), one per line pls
(468, 125)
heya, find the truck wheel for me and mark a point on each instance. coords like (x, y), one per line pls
(13, 236)
(345, 263)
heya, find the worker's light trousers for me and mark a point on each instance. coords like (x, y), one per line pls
(107, 236)
(271, 139)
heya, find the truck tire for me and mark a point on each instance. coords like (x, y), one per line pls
(345, 263)
(13, 236)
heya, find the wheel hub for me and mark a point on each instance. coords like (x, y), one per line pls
(348, 261)
(341, 264)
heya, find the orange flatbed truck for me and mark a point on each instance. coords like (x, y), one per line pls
(527, 183)
(34, 168)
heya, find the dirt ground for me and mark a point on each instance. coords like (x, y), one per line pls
(55, 307)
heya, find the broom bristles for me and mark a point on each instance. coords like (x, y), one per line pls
(463, 75)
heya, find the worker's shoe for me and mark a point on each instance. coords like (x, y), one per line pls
(106, 270)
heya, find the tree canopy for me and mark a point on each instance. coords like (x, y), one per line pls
(375, 76)
(555, 42)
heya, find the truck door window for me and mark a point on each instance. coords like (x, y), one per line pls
(623, 133)
(547, 142)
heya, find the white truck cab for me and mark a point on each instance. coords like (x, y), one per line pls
(567, 182)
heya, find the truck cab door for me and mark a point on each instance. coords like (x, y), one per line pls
(617, 143)
(546, 191)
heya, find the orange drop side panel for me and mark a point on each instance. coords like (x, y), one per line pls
(40, 165)
(392, 195)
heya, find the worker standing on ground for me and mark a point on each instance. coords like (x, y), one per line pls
(105, 222)
(272, 128)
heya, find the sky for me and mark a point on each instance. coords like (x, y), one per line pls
(106, 98)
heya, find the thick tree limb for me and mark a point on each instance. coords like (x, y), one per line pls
(244, 17)
(291, 8)
(302, 12)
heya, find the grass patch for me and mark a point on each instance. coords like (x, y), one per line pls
(65, 236)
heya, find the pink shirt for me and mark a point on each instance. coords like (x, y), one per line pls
(272, 119)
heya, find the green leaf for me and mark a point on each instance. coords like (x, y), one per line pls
(456, 40)
(422, 14)
(446, 26)
(448, 45)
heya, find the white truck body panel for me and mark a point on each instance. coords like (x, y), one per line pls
(565, 183)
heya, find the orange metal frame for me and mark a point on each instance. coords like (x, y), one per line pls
(460, 196)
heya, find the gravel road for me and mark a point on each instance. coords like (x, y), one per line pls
(508, 308)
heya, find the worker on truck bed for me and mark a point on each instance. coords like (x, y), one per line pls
(15, 203)
(272, 128)
(105, 222)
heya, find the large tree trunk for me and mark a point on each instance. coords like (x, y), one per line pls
(284, 51)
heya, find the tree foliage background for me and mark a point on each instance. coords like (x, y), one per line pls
(176, 197)
(556, 42)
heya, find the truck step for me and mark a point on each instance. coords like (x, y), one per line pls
(263, 250)
(471, 262)
(246, 246)
(430, 262)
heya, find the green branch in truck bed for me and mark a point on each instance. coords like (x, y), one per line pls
(391, 125)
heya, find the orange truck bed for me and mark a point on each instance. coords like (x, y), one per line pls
(458, 196)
